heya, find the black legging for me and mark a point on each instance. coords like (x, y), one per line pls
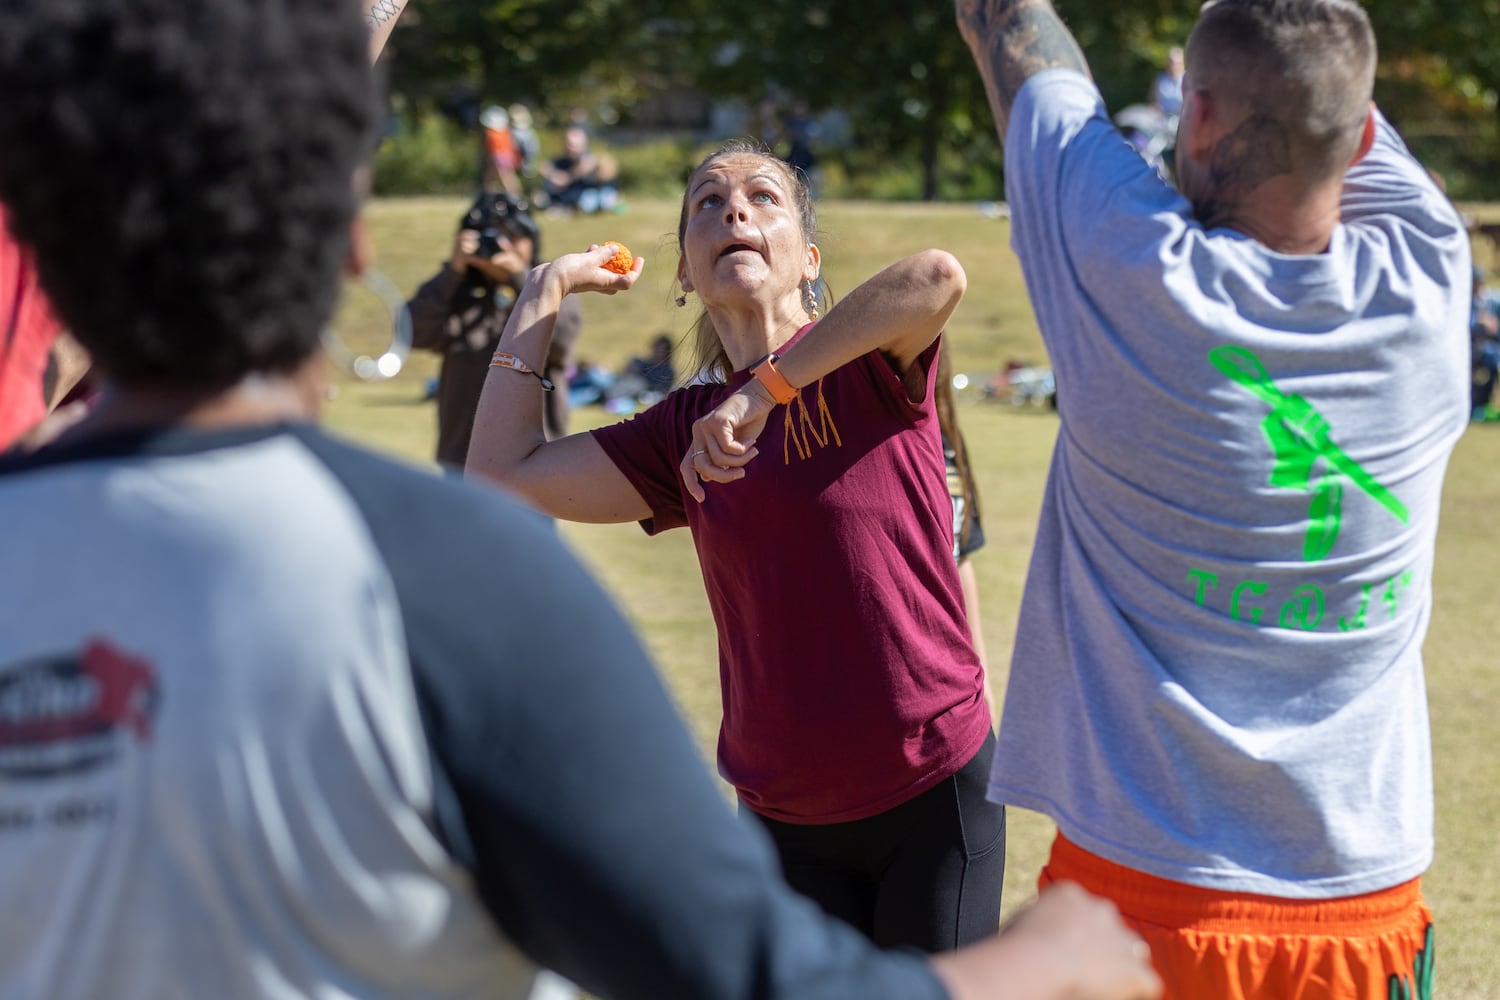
(926, 874)
(1483, 390)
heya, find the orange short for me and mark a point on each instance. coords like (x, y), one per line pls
(1213, 945)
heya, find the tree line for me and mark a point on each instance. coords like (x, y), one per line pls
(899, 72)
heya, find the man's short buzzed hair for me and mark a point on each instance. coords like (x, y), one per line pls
(1308, 64)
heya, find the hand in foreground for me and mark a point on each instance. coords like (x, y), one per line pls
(586, 271)
(1067, 945)
(724, 439)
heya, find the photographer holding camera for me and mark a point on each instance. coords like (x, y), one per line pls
(460, 311)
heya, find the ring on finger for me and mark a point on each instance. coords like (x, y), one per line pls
(701, 451)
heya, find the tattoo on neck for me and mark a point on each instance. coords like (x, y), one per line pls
(1212, 212)
(1257, 150)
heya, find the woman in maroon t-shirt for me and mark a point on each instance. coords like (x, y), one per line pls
(810, 471)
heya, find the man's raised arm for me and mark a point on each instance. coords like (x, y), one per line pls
(1011, 40)
(380, 16)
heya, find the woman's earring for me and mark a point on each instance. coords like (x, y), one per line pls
(682, 300)
(810, 300)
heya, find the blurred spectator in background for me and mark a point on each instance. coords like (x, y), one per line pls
(968, 533)
(645, 379)
(1484, 334)
(587, 382)
(501, 166)
(1151, 126)
(1166, 90)
(1022, 384)
(528, 143)
(767, 122)
(460, 311)
(580, 179)
(801, 133)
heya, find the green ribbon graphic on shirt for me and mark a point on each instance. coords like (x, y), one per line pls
(1299, 438)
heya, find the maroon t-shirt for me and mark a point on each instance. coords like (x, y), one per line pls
(849, 682)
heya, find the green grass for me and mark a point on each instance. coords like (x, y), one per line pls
(657, 581)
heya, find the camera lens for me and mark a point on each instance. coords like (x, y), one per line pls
(489, 242)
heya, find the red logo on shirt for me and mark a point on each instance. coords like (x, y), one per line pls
(67, 713)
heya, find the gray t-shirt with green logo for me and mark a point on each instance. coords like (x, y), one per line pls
(1217, 675)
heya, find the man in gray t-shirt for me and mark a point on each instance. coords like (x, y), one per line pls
(1217, 688)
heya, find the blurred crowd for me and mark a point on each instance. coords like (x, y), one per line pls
(578, 179)
(1484, 342)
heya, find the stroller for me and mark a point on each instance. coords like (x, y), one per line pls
(1153, 134)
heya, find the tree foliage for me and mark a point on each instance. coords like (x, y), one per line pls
(1439, 80)
(899, 70)
(539, 51)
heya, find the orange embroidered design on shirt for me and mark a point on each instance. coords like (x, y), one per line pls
(800, 428)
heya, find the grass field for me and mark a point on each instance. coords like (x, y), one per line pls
(657, 581)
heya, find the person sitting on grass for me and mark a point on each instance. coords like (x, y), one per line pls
(580, 179)
(1484, 337)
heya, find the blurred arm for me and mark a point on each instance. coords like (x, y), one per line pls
(899, 311)
(573, 792)
(380, 17)
(67, 364)
(572, 477)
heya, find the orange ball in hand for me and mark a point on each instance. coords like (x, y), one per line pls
(622, 261)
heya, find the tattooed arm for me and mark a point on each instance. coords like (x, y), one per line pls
(1012, 40)
(380, 17)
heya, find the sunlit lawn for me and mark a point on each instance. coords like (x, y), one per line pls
(657, 581)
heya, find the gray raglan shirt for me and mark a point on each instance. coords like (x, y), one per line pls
(279, 718)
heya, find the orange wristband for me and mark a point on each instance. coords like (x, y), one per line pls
(766, 374)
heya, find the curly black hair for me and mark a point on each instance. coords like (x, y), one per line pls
(183, 170)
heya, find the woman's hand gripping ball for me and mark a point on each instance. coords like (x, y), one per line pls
(621, 262)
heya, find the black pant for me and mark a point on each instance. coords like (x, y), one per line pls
(926, 874)
(1482, 392)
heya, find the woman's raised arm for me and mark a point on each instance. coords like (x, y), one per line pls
(570, 478)
(899, 311)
